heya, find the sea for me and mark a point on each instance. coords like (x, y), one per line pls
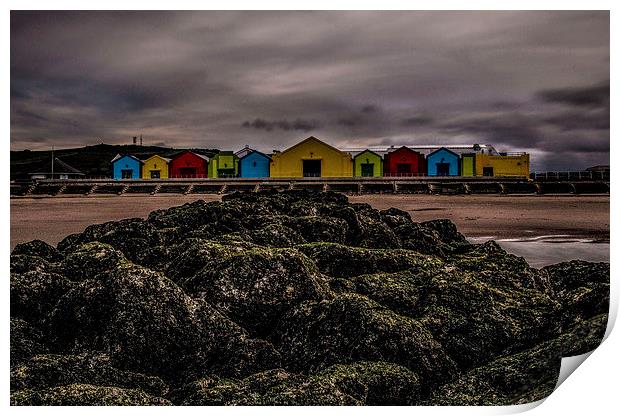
(544, 250)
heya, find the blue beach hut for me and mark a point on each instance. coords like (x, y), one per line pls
(254, 164)
(126, 167)
(442, 162)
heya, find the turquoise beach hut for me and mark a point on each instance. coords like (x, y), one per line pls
(126, 167)
(442, 162)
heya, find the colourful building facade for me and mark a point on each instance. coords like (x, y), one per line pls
(126, 167)
(155, 167)
(404, 162)
(443, 162)
(367, 163)
(188, 164)
(502, 165)
(254, 164)
(224, 165)
(311, 158)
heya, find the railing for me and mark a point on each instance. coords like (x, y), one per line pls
(570, 175)
(402, 175)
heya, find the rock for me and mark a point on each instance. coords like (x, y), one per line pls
(353, 328)
(315, 228)
(374, 383)
(85, 395)
(276, 235)
(438, 237)
(338, 260)
(395, 217)
(90, 260)
(292, 298)
(520, 378)
(23, 263)
(26, 341)
(493, 264)
(193, 254)
(34, 294)
(146, 323)
(271, 388)
(256, 287)
(51, 370)
(40, 249)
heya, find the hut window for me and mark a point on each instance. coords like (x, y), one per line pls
(254, 164)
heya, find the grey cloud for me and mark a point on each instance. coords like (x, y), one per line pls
(594, 96)
(298, 124)
(189, 79)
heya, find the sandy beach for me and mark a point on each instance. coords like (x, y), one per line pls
(52, 218)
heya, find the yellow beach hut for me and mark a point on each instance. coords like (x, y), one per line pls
(155, 167)
(311, 158)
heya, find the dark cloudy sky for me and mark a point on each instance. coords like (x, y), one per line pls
(531, 81)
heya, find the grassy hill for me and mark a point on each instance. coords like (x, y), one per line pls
(91, 160)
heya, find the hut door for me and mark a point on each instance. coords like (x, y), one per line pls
(126, 173)
(155, 174)
(487, 171)
(402, 168)
(188, 172)
(368, 169)
(443, 169)
(312, 168)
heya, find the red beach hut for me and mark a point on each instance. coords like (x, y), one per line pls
(404, 162)
(188, 164)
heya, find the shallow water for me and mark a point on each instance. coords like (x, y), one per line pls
(550, 249)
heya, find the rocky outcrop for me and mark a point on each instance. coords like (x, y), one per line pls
(292, 298)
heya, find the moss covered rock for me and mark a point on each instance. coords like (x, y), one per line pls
(40, 249)
(353, 328)
(338, 260)
(50, 370)
(85, 395)
(256, 287)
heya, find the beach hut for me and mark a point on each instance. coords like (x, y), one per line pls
(503, 164)
(311, 158)
(224, 165)
(188, 164)
(367, 163)
(57, 170)
(155, 167)
(126, 167)
(443, 162)
(404, 162)
(254, 164)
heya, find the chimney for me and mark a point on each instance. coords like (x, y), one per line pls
(135, 139)
(140, 140)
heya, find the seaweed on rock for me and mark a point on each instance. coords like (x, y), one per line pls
(291, 298)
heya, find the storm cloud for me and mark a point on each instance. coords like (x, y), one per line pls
(522, 81)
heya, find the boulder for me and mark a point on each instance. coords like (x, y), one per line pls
(146, 324)
(256, 287)
(51, 370)
(26, 341)
(40, 249)
(338, 260)
(352, 328)
(85, 395)
(34, 294)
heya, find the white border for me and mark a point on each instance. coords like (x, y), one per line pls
(591, 390)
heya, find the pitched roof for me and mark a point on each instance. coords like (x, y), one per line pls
(206, 158)
(312, 138)
(255, 151)
(60, 167)
(444, 149)
(369, 151)
(159, 157)
(118, 157)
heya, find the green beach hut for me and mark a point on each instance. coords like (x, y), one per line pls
(367, 163)
(224, 165)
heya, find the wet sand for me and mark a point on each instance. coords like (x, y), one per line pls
(52, 218)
